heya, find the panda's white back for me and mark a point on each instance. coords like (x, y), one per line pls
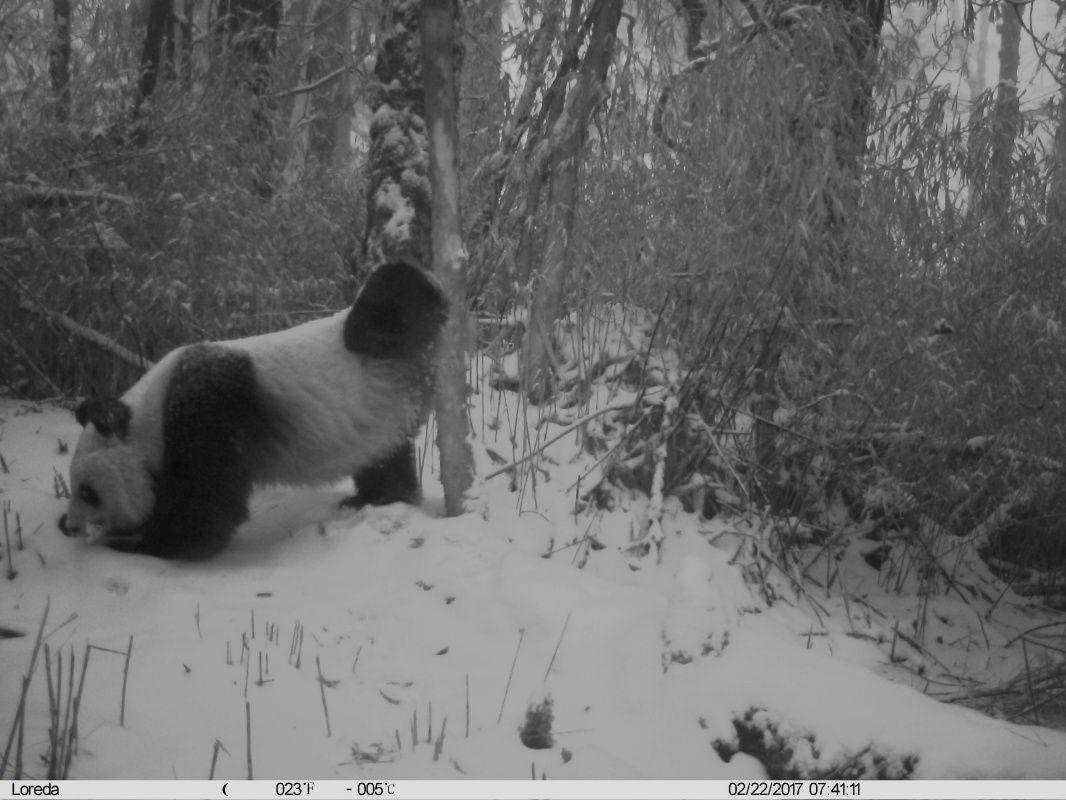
(346, 411)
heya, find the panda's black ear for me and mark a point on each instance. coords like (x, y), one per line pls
(398, 314)
(110, 416)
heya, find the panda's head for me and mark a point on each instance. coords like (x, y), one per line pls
(111, 489)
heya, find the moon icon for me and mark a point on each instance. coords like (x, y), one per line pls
(224, 788)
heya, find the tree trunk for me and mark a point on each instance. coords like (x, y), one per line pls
(441, 57)
(331, 61)
(397, 227)
(865, 19)
(59, 59)
(350, 93)
(299, 118)
(250, 28)
(1006, 122)
(977, 72)
(695, 13)
(183, 66)
(158, 42)
(484, 94)
(1057, 187)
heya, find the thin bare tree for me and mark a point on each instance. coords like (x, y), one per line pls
(59, 59)
(441, 55)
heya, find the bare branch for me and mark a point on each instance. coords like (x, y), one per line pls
(329, 77)
(43, 195)
(28, 303)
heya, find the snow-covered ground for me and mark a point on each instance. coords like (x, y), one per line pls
(414, 621)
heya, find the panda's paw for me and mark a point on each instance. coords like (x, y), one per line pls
(365, 498)
(124, 543)
(353, 503)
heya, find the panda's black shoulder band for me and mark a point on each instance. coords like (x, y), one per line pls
(215, 420)
(109, 415)
(398, 314)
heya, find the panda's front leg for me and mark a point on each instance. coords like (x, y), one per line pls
(392, 479)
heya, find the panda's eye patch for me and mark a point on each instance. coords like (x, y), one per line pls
(88, 495)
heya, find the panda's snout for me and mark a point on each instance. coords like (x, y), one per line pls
(66, 528)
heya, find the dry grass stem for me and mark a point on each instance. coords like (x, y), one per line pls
(510, 675)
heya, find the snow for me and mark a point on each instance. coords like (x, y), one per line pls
(389, 198)
(646, 664)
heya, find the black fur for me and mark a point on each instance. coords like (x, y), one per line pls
(214, 425)
(110, 416)
(393, 479)
(397, 315)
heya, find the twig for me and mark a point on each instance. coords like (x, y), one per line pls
(923, 651)
(19, 750)
(507, 689)
(1029, 680)
(296, 644)
(108, 650)
(1036, 706)
(248, 735)
(572, 426)
(261, 681)
(310, 87)
(322, 692)
(42, 194)
(53, 711)
(17, 722)
(440, 739)
(125, 678)
(69, 706)
(1056, 624)
(467, 706)
(12, 573)
(214, 757)
(557, 644)
(73, 732)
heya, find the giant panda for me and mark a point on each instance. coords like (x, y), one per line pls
(167, 469)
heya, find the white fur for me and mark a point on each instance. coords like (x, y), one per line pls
(349, 411)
